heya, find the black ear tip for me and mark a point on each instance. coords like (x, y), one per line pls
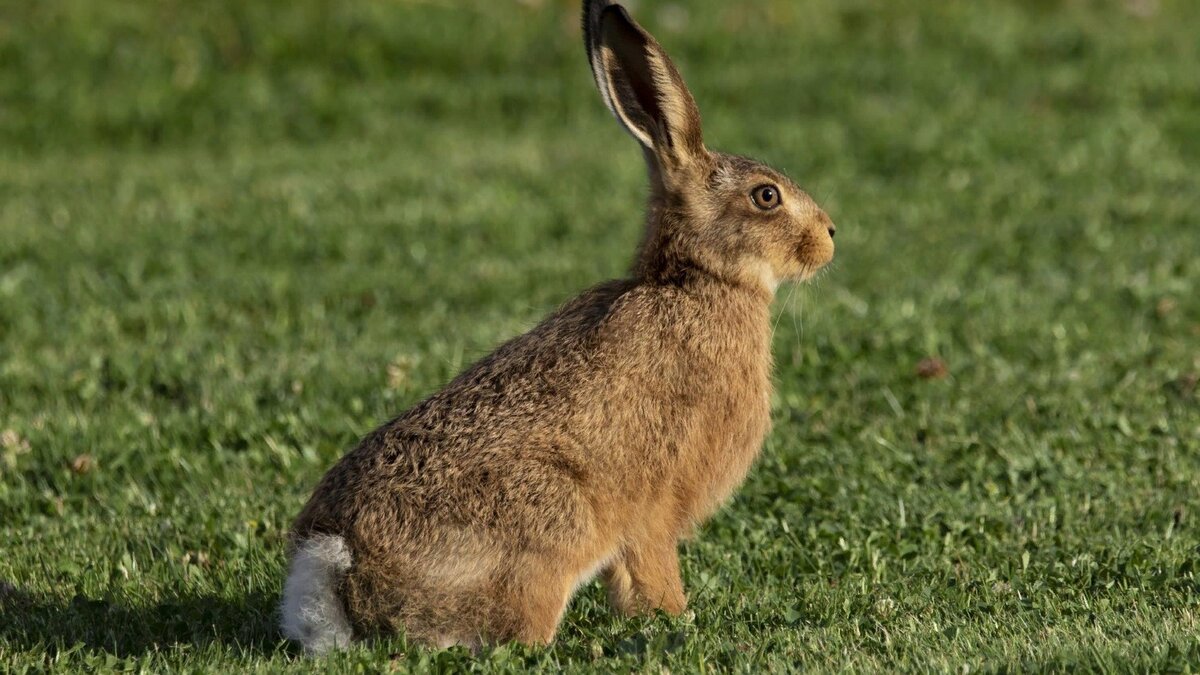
(593, 14)
(614, 17)
(595, 6)
(618, 9)
(592, 10)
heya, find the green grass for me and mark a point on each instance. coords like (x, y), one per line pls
(236, 236)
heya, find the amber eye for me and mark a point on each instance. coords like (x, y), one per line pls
(766, 197)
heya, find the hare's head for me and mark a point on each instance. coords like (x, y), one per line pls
(727, 216)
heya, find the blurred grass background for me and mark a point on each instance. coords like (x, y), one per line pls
(236, 236)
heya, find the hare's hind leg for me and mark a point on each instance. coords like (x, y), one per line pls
(536, 595)
(536, 602)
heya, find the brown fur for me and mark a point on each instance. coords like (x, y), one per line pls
(604, 435)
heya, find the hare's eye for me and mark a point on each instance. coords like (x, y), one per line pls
(765, 197)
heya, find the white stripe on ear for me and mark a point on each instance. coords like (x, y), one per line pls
(591, 15)
(613, 102)
(602, 82)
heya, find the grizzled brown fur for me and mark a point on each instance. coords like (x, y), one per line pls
(597, 440)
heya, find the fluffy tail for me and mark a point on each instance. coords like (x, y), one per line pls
(312, 612)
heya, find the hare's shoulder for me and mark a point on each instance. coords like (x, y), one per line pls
(575, 336)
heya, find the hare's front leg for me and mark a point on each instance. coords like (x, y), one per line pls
(645, 577)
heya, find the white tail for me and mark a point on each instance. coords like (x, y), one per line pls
(311, 611)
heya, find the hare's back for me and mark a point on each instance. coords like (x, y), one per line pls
(495, 449)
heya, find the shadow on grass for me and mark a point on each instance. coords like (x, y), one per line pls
(30, 622)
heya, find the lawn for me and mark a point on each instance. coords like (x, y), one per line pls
(235, 236)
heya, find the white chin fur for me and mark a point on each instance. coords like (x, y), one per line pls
(311, 611)
(765, 276)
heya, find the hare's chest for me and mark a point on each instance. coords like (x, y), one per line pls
(737, 425)
(747, 428)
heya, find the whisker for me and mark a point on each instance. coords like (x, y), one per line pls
(798, 323)
(786, 305)
(775, 324)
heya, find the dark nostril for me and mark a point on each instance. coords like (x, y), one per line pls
(832, 231)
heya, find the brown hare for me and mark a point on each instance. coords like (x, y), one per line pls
(591, 444)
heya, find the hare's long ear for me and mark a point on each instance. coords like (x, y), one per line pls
(641, 86)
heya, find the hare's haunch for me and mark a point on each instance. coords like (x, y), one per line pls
(591, 444)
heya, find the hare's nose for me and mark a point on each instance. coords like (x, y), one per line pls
(832, 231)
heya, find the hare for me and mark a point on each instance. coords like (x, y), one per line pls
(593, 443)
